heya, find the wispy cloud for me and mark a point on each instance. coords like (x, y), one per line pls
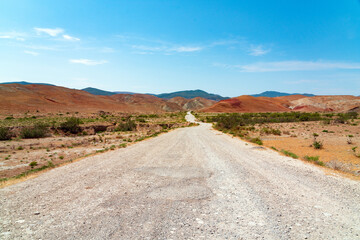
(70, 38)
(88, 61)
(186, 49)
(5, 37)
(50, 31)
(258, 50)
(31, 53)
(13, 35)
(165, 49)
(286, 66)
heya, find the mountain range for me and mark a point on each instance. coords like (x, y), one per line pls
(19, 98)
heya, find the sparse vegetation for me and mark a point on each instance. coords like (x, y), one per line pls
(290, 154)
(256, 140)
(5, 133)
(129, 125)
(33, 164)
(39, 130)
(72, 125)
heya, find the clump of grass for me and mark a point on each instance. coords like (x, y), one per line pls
(61, 157)
(256, 140)
(274, 148)
(290, 154)
(314, 159)
(317, 145)
(123, 145)
(39, 130)
(20, 148)
(5, 133)
(112, 147)
(33, 164)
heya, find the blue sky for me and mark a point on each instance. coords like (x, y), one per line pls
(226, 47)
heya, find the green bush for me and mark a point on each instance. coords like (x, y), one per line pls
(72, 125)
(290, 154)
(256, 141)
(39, 130)
(5, 133)
(129, 125)
(33, 164)
(317, 144)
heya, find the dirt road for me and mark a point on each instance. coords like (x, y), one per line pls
(191, 183)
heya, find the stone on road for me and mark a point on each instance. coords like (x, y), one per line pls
(191, 183)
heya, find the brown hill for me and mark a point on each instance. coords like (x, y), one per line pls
(250, 104)
(287, 103)
(15, 98)
(339, 103)
(192, 104)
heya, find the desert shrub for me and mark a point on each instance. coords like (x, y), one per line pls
(272, 131)
(352, 115)
(311, 158)
(142, 120)
(129, 125)
(39, 130)
(317, 144)
(33, 164)
(256, 141)
(290, 154)
(71, 125)
(5, 133)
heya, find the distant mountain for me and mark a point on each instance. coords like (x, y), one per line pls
(96, 91)
(191, 94)
(27, 83)
(280, 94)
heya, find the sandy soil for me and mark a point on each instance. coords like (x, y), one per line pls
(191, 183)
(336, 151)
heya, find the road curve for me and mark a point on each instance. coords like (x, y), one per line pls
(191, 183)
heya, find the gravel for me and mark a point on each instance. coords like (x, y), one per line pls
(191, 183)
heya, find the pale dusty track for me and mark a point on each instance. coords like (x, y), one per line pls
(191, 183)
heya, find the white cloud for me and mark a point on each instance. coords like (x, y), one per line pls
(50, 31)
(164, 49)
(186, 49)
(295, 66)
(70, 38)
(88, 61)
(258, 50)
(13, 35)
(31, 53)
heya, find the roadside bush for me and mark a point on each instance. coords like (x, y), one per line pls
(5, 133)
(72, 125)
(314, 159)
(256, 141)
(129, 125)
(39, 130)
(290, 154)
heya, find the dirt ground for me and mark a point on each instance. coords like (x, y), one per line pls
(190, 183)
(339, 151)
(17, 154)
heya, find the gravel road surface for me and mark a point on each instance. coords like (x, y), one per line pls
(191, 183)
